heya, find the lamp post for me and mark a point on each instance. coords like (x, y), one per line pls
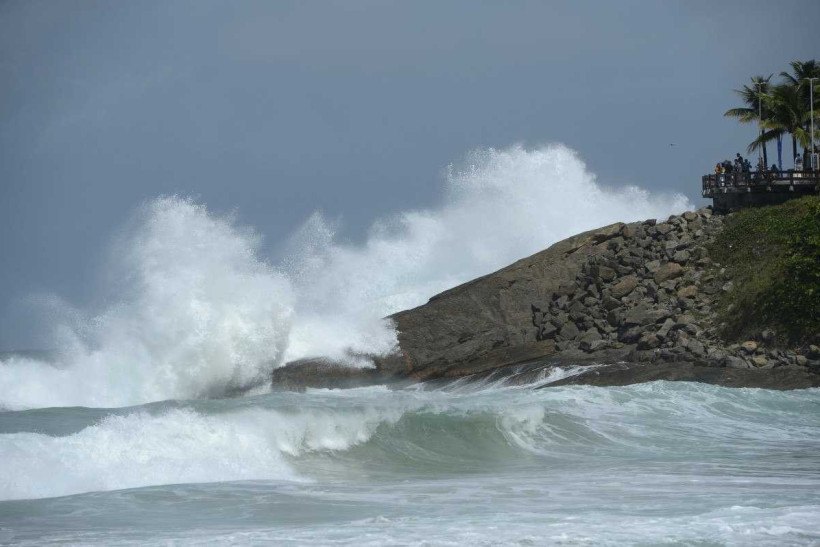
(813, 154)
(760, 121)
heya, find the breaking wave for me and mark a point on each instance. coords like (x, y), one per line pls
(388, 435)
(196, 311)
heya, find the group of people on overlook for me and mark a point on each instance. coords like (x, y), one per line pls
(742, 165)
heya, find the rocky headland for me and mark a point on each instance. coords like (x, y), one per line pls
(640, 301)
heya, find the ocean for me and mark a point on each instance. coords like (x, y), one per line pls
(662, 463)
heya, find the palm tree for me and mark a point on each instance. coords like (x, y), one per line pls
(799, 79)
(787, 113)
(754, 98)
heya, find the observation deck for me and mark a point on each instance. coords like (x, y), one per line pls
(736, 190)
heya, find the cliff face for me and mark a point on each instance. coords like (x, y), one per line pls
(643, 293)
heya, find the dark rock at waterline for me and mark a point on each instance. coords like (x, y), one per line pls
(325, 373)
(622, 374)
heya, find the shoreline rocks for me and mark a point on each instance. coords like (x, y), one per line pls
(642, 293)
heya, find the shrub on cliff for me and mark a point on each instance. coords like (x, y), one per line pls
(772, 256)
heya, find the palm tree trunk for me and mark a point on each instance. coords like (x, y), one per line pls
(794, 148)
(765, 153)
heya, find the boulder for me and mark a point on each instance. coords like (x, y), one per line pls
(602, 273)
(749, 346)
(569, 331)
(681, 257)
(696, 348)
(760, 361)
(588, 340)
(645, 315)
(670, 270)
(666, 327)
(648, 340)
(624, 286)
(735, 362)
(547, 331)
(610, 303)
(631, 335)
(607, 232)
(689, 291)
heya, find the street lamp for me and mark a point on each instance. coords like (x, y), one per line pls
(760, 121)
(813, 155)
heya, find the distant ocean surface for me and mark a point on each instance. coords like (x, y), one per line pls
(658, 463)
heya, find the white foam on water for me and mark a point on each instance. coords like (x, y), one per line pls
(498, 206)
(196, 312)
(193, 312)
(178, 446)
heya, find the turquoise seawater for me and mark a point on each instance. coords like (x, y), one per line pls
(660, 463)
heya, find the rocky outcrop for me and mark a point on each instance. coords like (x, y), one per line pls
(641, 293)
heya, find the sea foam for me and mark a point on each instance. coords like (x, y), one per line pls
(197, 312)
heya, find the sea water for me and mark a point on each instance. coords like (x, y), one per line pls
(658, 463)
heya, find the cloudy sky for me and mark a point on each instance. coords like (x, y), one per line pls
(279, 108)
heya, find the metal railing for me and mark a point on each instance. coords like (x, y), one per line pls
(760, 181)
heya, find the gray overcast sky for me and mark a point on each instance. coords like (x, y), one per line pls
(279, 108)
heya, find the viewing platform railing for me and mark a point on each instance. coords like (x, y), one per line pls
(761, 181)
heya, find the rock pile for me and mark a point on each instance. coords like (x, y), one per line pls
(642, 294)
(647, 295)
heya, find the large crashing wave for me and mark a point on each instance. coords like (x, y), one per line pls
(200, 313)
(194, 312)
(408, 434)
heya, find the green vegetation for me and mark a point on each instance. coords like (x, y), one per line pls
(772, 256)
(781, 109)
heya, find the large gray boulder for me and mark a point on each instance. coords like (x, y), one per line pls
(488, 322)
